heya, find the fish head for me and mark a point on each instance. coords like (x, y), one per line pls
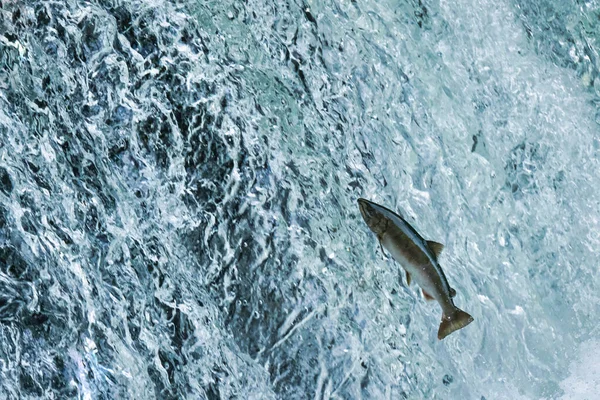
(375, 220)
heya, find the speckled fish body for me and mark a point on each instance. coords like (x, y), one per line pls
(419, 258)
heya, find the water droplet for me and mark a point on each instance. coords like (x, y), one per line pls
(448, 379)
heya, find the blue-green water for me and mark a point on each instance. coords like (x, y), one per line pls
(178, 185)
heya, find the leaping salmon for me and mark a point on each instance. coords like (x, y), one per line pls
(419, 257)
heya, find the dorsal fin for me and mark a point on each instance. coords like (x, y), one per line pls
(435, 247)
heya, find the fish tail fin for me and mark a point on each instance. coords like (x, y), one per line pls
(452, 322)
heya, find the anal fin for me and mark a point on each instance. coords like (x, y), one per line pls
(408, 279)
(427, 296)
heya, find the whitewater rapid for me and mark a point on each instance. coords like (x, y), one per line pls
(178, 186)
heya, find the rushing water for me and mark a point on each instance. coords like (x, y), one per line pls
(178, 185)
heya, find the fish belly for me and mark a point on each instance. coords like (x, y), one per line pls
(417, 264)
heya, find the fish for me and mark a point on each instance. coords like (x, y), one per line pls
(419, 258)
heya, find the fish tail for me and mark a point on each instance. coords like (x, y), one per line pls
(452, 322)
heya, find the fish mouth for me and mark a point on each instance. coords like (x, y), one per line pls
(365, 208)
(363, 202)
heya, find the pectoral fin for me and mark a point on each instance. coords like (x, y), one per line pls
(427, 296)
(381, 247)
(435, 247)
(408, 279)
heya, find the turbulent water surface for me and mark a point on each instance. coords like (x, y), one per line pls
(178, 185)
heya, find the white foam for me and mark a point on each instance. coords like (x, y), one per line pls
(584, 380)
